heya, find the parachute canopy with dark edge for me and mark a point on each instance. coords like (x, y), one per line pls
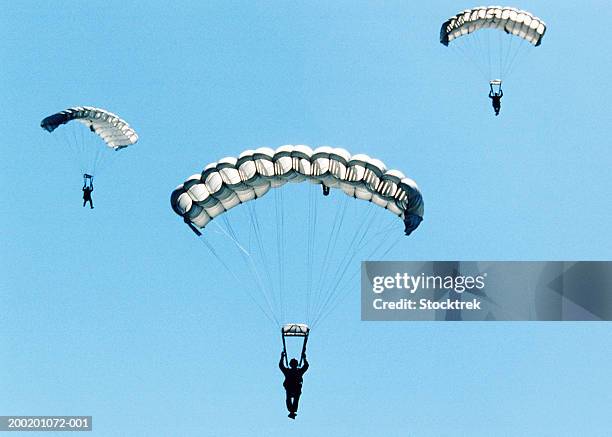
(295, 330)
(508, 19)
(114, 131)
(231, 181)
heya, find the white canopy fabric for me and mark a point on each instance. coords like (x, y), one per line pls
(224, 184)
(114, 131)
(508, 19)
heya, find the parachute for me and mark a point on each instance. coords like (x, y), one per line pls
(232, 181)
(511, 20)
(114, 132)
(472, 32)
(296, 255)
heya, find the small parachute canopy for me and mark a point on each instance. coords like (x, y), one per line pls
(295, 330)
(508, 19)
(114, 131)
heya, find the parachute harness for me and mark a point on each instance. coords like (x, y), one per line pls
(295, 330)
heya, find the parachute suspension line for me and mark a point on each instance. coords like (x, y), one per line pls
(501, 56)
(479, 44)
(61, 144)
(248, 259)
(262, 253)
(312, 232)
(489, 53)
(255, 272)
(80, 145)
(96, 159)
(280, 243)
(332, 241)
(480, 52)
(269, 316)
(277, 239)
(72, 148)
(345, 263)
(92, 156)
(485, 50)
(309, 252)
(510, 53)
(351, 250)
(109, 158)
(342, 294)
(346, 260)
(391, 246)
(104, 158)
(468, 54)
(233, 236)
(506, 46)
(383, 230)
(333, 237)
(316, 270)
(520, 48)
(229, 231)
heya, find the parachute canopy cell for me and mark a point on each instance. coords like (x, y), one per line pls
(114, 131)
(508, 19)
(231, 181)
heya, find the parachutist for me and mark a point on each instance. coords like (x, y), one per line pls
(293, 381)
(496, 99)
(467, 26)
(87, 189)
(325, 190)
(114, 132)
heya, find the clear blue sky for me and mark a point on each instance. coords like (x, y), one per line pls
(119, 313)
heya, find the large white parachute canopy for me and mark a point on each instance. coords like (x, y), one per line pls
(509, 20)
(492, 37)
(300, 220)
(83, 138)
(232, 181)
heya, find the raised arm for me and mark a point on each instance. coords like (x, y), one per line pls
(281, 365)
(305, 365)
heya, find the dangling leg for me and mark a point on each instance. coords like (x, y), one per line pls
(290, 406)
(296, 400)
